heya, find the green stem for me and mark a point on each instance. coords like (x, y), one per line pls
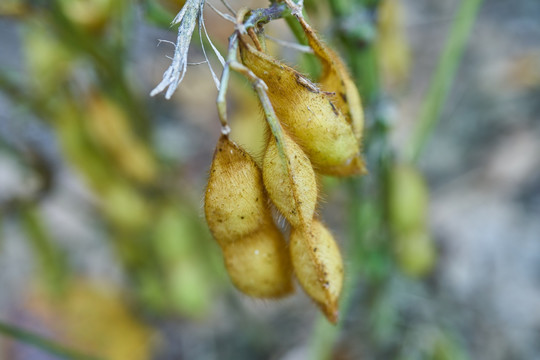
(324, 334)
(365, 69)
(42, 343)
(260, 88)
(107, 60)
(52, 261)
(357, 35)
(340, 7)
(157, 14)
(258, 17)
(13, 91)
(323, 338)
(444, 75)
(309, 61)
(362, 60)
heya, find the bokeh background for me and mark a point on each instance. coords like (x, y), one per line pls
(104, 251)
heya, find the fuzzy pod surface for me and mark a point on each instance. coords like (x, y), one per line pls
(309, 114)
(318, 266)
(335, 78)
(235, 203)
(259, 264)
(290, 181)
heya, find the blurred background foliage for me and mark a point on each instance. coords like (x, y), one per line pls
(104, 252)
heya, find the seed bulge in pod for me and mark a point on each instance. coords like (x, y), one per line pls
(318, 266)
(415, 253)
(408, 199)
(308, 113)
(290, 181)
(353, 166)
(235, 203)
(347, 97)
(336, 78)
(393, 51)
(259, 263)
(110, 128)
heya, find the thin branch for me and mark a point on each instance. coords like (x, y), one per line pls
(224, 16)
(228, 6)
(443, 77)
(216, 51)
(201, 23)
(298, 47)
(42, 343)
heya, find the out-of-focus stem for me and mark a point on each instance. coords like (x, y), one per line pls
(339, 7)
(444, 75)
(364, 67)
(310, 62)
(42, 343)
(107, 63)
(362, 60)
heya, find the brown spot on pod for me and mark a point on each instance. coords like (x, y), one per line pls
(319, 272)
(336, 78)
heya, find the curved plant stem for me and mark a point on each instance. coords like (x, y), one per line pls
(309, 61)
(444, 75)
(361, 59)
(42, 343)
